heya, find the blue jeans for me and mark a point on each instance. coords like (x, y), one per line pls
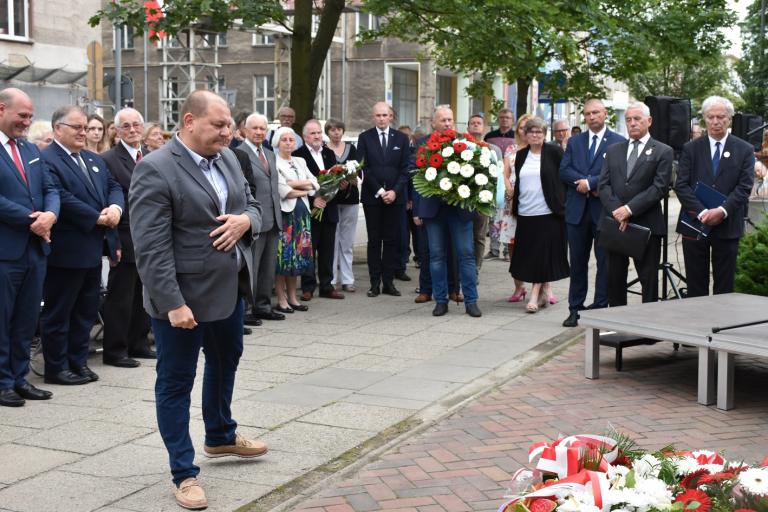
(461, 234)
(177, 354)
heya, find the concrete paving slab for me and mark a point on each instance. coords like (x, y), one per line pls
(266, 415)
(357, 416)
(362, 362)
(257, 352)
(301, 394)
(106, 396)
(362, 339)
(274, 469)
(386, 401)
(10, 433)
(20, 462)
(342, 378)
(394, 365)
(407, 349)
(289, 364)
(444, 372)
(410, 388)
(255, 377)
(326, 351)
(136, 414)
(60, 491)
(135, 461)
(45, 414)
(287, 339)
(401, 327)
(298, 437)
(86, 437)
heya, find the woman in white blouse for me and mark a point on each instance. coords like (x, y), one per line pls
(294, 248)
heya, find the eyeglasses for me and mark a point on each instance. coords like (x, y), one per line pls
(76, 127)
(560, 131)
(128, 126)
(95, 129)
(535, 132)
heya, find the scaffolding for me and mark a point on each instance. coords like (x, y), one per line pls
(190, 62)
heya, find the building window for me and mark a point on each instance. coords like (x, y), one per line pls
(14, 19)
(405, 95)
(366, 21)
(260, 39)
(127, 42)
(209, 39)
(212, 82)
(444, 93)
(264, 95)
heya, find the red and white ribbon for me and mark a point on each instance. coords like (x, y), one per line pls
(563, 455)
(594, 483)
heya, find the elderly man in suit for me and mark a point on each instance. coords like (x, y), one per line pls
(580, 170)
(319, 157)
(126, 324)
(385, 154)
(634, 180)
(727, 164)
(29, 206)
(193, 219)
(262, 162)
(91, 206)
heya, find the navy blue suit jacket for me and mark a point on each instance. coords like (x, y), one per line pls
(18, 200)
(735, 177)
(576, 166)
(383, 169)
(77, 241)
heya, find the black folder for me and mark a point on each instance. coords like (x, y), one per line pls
(630, 242)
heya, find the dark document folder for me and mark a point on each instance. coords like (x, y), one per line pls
(630, 242)
(710, 197)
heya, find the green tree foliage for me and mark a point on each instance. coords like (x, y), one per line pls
(307, 54)
(574, 44)
(752, 262)
(753, 66)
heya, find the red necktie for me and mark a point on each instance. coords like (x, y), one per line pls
(138, 156)
(17, 159)
(263, 160)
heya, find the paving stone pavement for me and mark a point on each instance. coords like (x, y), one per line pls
(464, 462)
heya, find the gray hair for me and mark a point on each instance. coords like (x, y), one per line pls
(257, 117)
(309, 122)
(641, 106)
(63, 112)
(535, 122)
(125, 111)
(563, 122)
(438, 108)
(717, 100)
(279, 133)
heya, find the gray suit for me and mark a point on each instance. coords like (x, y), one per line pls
(173, 209)
(265, 246)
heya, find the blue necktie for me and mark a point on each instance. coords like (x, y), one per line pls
(593, 149)
(716, 159)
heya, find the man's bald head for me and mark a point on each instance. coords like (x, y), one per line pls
(206, 123)
(16, 112)
(197, 103)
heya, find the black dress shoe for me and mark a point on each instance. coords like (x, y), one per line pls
(252, 320)
(331, 294)
(247, 331)
(9, 398)
(403, 277)
(441, 308)
(572, 320)
(66, 378)
(374, 291)
(473, 310)
(89, 374)
(298, 307)
(284, 310)
(122, 362)
(269, 315)
(30, 392)
(389, 289)
(145, 353)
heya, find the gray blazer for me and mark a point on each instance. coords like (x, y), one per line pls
(173, 209)
(267, 193)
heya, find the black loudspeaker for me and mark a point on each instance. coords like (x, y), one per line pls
(671, 120)
(743, 124)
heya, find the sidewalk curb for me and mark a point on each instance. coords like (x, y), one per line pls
(309, 484)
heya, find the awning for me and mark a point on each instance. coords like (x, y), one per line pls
(33, 74)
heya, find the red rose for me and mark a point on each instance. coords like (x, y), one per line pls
(337, 169)
(436, 160)
(459, 147)
(433, 145)
(324, 171)
(421, 161)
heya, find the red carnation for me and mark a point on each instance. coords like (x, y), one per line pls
(693, 499)
(469, 137)
(436, 160)
(421, 161)
(459, 147)
(433, 145)
(450, 133)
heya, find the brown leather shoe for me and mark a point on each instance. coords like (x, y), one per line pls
(190, 495)
(422, 298)
(332, 294)
(306, 296)
(455, 297)
(243, 448)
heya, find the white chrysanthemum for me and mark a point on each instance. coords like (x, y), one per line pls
(447, 151)
(464, 191)
(712, 468)
(470, 145)
(686, 465)
(485, 196)
(485, 160)
(484, 151)
(446, 184)
(754, 481)
(655, 491)
(493, 170)
(467, 170)
(453, 167)
(481, 179)
(647, 466)
(430, 174)
(467, 155)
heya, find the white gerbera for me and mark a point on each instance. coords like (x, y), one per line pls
(467, 170)
(485, 196)
(464, 191)
(754, 481)
(484, 151)
(485, 160)
(467, 155)
(481, 179)
(447, 151)
(430, 174)
(446, 184)
(493, 170)
(453, 167)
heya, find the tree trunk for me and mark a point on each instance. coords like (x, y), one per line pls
(308, 56)
(522, 96)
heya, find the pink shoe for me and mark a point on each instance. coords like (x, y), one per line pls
(517, 297)
(552, 299)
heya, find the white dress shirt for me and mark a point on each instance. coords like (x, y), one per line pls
(134, 152)
(600, 136)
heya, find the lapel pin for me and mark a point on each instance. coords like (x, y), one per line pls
(95, 169)
(726, 154)
(649, 151)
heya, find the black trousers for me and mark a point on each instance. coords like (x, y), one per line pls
(126, 324)
(647, 271)
(696, 254)
(323, 243)
(382, 221)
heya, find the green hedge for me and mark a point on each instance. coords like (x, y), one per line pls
(752, 262)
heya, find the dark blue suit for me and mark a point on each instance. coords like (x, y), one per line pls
(582, 215)
(22, 257)
(72, 285)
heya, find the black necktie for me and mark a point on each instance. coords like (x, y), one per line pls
(632, 160)
(383, 141)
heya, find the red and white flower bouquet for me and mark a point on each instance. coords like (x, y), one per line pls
(330, 182)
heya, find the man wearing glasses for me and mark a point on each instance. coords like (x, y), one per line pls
(91, 206)
(126, 324)
(562, 133)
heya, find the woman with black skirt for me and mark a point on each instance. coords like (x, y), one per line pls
(540, 255)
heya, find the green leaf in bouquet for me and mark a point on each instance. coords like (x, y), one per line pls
(630, 479)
